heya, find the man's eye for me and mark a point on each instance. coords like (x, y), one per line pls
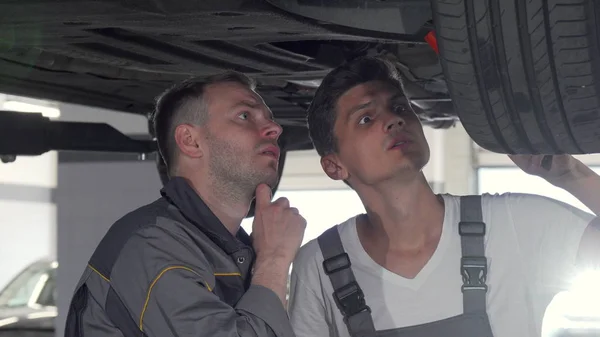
(364, 120)
(243, 115)
(400, 108)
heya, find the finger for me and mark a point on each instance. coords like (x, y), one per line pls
(536, 161)
(302, 221)
(283, 202)
(263, 195)
(294, 210)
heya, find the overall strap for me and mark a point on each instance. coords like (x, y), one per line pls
(347, 293)
(473, 262)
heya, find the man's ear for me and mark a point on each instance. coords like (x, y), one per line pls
(333, 168)
(189, 140)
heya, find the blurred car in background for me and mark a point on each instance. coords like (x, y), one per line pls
(28, 302)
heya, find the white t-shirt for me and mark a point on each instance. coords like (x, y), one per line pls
(531, 245)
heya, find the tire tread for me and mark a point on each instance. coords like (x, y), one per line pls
(524, 74)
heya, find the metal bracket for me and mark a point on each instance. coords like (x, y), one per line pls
(32, 134)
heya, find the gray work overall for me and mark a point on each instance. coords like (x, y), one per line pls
(473, 322)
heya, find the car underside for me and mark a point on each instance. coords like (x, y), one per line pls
(520, 76)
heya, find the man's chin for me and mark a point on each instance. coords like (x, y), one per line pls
(271, 175)
(272, 181)
(266, 175)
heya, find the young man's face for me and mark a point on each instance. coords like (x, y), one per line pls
(378, 136)
(241, 136)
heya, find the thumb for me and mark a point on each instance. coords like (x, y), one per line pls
(263, 195)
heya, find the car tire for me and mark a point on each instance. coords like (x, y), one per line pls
(524, 76)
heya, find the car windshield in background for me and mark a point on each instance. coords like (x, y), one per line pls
(34, 286)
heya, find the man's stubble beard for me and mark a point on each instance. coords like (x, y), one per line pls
(234, 173)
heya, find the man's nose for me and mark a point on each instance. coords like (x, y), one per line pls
(272, 130)
(394, 121)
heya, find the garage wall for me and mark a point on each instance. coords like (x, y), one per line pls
(460, 176)
(484, 158)
(27, 213)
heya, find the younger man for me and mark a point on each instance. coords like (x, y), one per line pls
(397, 269)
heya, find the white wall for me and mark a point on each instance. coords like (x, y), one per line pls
(43, 203)
(27, 213)
(27, 223)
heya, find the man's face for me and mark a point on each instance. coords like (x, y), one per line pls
(241, 137)
(378, 136)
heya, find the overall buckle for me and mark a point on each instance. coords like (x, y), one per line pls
(474, 273)
(471, 228)
(336, 263)
(351, 299)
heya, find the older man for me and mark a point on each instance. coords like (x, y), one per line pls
(182, 266)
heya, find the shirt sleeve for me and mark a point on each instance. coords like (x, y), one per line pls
(167, 285)
(549, 233)
(179, 305)
(306, 307)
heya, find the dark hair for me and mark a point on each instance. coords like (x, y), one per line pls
(184, 103)
(322, 111)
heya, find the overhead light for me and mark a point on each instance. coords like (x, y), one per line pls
(47, 111)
